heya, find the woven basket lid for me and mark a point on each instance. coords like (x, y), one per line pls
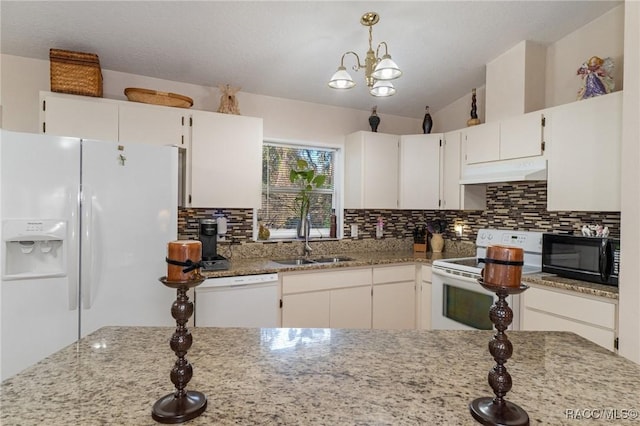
(155, 97)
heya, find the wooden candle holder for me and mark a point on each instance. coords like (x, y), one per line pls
(498, 411)
(181, 405)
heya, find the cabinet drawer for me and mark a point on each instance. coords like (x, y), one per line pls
(547, 322)
(326, 280)
(575, 307)
(391, 274)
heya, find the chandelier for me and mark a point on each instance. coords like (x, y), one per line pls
(377, 71)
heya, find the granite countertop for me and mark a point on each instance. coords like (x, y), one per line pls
(260, 265)
(321, 377)
(584, 287)
(252, 266)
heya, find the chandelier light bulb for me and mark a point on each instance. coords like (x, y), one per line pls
(383, 88)
(386, 69)
(341, 79)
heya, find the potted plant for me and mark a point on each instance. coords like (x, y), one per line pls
(436, 228)
(304, 176)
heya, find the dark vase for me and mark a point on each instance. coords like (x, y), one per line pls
(374, 120)
(427, 122)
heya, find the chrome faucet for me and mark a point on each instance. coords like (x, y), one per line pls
(307, 231)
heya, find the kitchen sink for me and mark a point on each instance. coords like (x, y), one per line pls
(333, 259)
(303, 261)
(296, 261)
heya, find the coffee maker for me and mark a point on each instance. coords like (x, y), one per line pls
(208, 236)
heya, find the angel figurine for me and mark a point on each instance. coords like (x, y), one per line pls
(596, 77)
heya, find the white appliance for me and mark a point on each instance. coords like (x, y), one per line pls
(241, 301)
(85, 226)
(458, 302)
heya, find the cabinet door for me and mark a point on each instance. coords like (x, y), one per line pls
(420, 171)
(482, 143)
(78, 117)
(351, 308)
(226, 160)
(424, 300)
(152, 124)
(371, 171)
(306, 310)
(394, 305)
(451, 163)
(584, 155)
(521, 136)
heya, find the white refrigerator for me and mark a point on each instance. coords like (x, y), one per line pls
(85, 226)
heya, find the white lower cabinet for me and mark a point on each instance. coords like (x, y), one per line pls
(381, 297)
(306, 310)
(336, 299)
(394, 297)
(423, 304)
(593, 318)
(350, 308)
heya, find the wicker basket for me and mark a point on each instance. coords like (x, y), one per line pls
(147, 96)
(75, 72)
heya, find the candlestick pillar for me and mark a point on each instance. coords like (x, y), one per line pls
(497, 410)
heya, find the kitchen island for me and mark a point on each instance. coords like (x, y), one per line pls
(321, 377)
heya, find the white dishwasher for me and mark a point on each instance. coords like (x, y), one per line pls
(240, 301)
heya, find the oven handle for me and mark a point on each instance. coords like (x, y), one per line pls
(444, 273)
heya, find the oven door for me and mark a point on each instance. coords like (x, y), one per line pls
(458, 302)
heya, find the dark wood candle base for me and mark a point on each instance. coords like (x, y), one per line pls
(182, 405)
(498, 411)
(488, 413)
(171, 409)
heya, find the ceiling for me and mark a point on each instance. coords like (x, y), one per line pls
(290, 49)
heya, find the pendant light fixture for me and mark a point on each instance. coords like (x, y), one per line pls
(378, 71)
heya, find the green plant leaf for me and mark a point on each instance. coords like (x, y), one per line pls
(302, 164)
(319, 180)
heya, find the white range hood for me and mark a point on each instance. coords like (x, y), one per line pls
(505, 171)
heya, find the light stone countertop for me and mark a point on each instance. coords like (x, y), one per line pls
(253, 266)
(320, 377)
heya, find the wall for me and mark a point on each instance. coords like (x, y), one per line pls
(602, 37)
(629, 307)
(284, 119)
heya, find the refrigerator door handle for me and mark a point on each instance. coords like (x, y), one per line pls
(72, 262)
(86, 246)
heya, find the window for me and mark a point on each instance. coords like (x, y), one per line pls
(278, 211)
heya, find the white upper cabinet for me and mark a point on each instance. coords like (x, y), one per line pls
(371, 171)
(78, 116)
(226, 160)
(584, 148)
(453, 195)
(153, 124)
(511, 138)
(450, 176)
(420, 171)
(481, 143)
(522, 136)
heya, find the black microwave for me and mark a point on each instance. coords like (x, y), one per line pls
(594, 259)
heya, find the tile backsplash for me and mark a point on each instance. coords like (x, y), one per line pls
(519, 206)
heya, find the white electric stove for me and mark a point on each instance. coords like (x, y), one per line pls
(458, 301)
